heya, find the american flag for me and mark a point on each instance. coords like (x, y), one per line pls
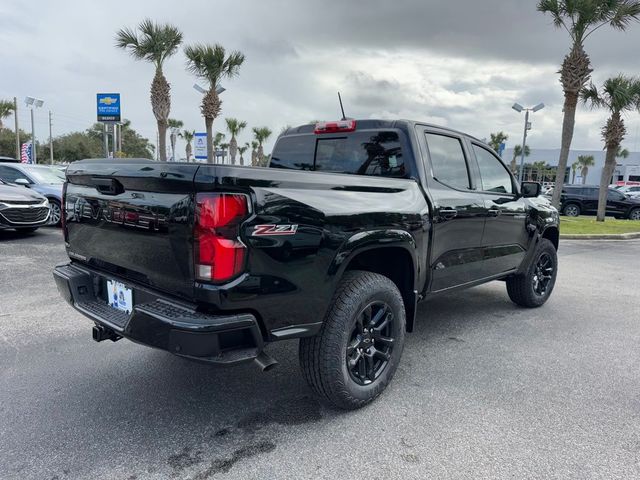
(25, 153)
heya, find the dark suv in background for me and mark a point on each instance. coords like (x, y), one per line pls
(583, 199)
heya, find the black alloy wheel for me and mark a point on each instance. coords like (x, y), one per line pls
(371, 343)
(543, 274)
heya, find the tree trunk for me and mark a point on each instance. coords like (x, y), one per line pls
(260, 155)
(607, 171)
(254, 158)
(241, 161)
(573, 176)
(208, 121)
(233, 149)
(568, 124)
(584, 172)
(210, 108)
(172, 139)
(162, 140)
(161, 106)
(187, 150)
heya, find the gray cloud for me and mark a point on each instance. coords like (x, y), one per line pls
(460, 63)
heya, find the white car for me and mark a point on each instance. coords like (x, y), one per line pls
(630, 190)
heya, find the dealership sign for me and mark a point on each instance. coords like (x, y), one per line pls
(108, 107)
(200, 146)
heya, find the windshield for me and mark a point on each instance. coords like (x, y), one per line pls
(45, 175)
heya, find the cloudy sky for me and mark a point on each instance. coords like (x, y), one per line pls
(456, 63)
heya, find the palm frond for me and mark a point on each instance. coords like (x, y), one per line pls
(173, 123)
(591, 97)
(627, 11)
(586, 160)
(188, 135)
(210, 62)
(261, 134)
(6, 108)
(154, 42)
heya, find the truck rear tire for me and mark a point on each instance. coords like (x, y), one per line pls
(533, 288)
(353, 358)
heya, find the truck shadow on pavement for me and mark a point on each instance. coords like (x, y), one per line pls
(199, 420)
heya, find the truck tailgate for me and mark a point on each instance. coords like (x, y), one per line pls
(134, 220)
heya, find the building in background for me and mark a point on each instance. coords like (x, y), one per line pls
(627, 168)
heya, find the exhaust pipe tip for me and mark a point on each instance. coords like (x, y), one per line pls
(265, 362)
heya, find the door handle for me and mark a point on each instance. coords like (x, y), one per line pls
(493, 212)
(448, 213)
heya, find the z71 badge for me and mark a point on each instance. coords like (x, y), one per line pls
(266, 230)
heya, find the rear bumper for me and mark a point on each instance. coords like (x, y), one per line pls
(160, 322)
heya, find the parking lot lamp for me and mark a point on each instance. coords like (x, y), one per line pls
(33, 103)
(527, 126)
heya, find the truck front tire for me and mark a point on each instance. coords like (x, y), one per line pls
(353, 358)
(533, 288)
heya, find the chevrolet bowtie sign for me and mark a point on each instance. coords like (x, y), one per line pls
(108, 107)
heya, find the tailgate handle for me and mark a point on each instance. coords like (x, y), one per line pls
(108, 186)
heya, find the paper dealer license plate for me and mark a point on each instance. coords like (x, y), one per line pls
(120, 297)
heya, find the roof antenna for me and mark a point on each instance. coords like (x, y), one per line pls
(341, 107)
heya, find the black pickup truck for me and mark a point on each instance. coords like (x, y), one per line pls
(352, 224)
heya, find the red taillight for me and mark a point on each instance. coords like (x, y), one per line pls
(219, 253)
(335, 127)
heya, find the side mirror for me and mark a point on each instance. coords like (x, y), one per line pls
(530, 189)
(22, 181)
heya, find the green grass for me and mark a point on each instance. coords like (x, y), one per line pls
(589, 226)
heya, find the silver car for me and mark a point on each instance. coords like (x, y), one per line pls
(45, 180)
(21, 209)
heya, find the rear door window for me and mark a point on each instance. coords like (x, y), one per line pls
(493, 174)
(376, 153)
(448, 161)
(591, 193)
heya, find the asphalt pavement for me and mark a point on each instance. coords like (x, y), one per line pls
(485, 390)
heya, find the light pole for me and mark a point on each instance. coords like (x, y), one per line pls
(527, 126)
(33, 103)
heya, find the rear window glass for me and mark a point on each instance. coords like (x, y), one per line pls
(376, 153)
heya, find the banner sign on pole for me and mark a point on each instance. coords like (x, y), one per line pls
(26, 153)
(108, 107)
(501, 149)
(200, 146)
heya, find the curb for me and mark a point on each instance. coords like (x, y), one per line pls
(605, 236)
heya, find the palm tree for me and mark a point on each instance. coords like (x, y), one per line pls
(241, 151)
(188, 135)
(261, 134)
(580, 18)
(225, 150)
(235, 127)
(218, 137)
(154, 43)
(618, 95)
(497, 139)
(585, 161)
(517, 153)
(175, 126)
(574, 169)
(211, 63)
(6, 109)
(540, 169)
(254, 153)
